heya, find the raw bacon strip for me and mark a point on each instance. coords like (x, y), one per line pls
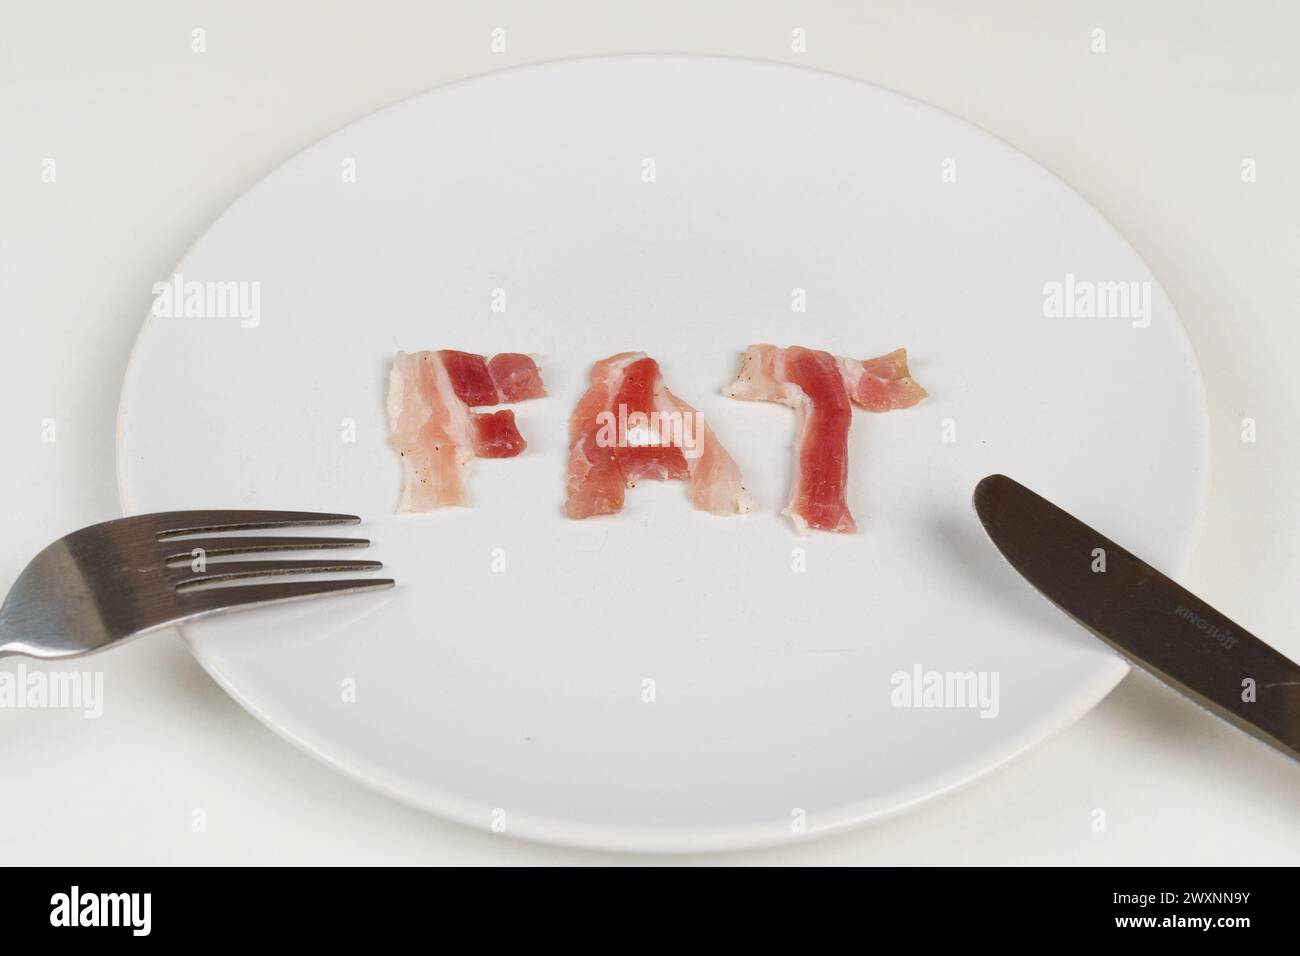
(820, 387)
(595, 485)
(430, 396)
(811, 383)
(822, 474)
(626, 396)
(430, 428)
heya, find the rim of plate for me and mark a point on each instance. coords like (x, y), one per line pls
(634, 839)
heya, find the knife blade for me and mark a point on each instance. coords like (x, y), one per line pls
(1143, 615)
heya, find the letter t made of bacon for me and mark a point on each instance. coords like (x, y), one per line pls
(822, 389)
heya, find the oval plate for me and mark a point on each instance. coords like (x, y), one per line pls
(666, 680)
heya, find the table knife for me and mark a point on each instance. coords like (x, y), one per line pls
(1143, 615)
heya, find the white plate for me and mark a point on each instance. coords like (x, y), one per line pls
(518, 697)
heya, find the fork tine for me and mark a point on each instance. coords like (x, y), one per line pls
(251, 544)
(175, 523)
(250, 595)
(233, 570)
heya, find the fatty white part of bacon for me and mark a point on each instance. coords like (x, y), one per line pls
(408, 411)
(761, 379)
(716, 484)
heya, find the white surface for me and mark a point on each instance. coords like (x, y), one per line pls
(152, 141)
(521, 686)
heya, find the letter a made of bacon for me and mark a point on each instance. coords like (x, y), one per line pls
(822, 389)
(629, 426)
(433, 425)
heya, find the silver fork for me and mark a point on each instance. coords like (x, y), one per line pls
(103, 585)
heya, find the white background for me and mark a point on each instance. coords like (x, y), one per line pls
(153, 140)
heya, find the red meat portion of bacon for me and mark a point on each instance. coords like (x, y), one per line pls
(636, 396)
(470, 378)
(495, 435)
(516, 377)
(504, 378)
